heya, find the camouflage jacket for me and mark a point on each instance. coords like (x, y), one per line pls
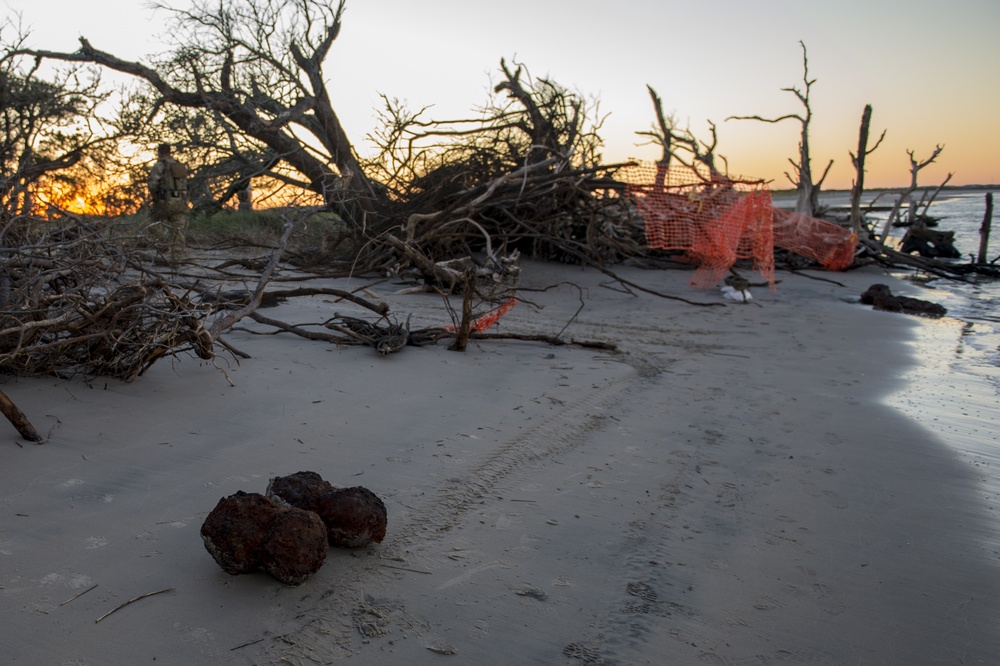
(167, 180)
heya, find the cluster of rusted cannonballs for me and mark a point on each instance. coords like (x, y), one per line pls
(288, 530)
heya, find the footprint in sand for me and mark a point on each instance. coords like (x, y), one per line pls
(826, 600)
(767, 603)
(7, 546)
(102, 499)
(586, 653)
(194, 634)
(641, 590)
(480, 629)
(636, 608)
(835, 500)
(74, 581)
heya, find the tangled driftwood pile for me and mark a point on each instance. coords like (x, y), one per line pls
(548, 210)
(71, 303)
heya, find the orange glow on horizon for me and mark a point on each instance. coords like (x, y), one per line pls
(90, 199)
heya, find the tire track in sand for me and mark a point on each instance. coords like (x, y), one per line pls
(433, 516)
(557, 434)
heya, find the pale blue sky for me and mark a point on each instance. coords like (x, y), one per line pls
(930, 69)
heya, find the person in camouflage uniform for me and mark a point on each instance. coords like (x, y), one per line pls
(169, 211)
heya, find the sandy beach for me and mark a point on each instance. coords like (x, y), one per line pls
(727, 488)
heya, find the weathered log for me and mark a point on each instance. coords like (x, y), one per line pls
(930, 243)
(229, 319)
(241, 297)
(18, 419)
(461, 340)
(984, 231)
(859, 167)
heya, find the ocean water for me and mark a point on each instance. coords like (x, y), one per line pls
(954, 389)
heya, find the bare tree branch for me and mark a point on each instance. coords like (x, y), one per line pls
(808, 188)
(298, 89)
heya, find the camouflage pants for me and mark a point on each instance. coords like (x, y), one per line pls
(170, 221)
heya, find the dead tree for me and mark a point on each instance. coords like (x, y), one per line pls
(480, 184)
(808, 188)
(46, 123)
(984, 230)
(858, 160)
(18, 419)
(548, 133)
(919, 237)
(906, 197)
(72, 303)
(258, 66)
(666, 135)
(704, 153)
(662, 135)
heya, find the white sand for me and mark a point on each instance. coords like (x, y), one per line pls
(729, 489)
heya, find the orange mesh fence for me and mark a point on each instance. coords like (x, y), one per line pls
(490, 319)
(826, 243)
(741, 231)
(719, 220)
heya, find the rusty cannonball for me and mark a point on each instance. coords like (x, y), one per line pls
(301, 490)
(288, 532)
(296, 545)
(354, 517)
(236, 529)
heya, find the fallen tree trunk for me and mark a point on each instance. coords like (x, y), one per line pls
(18, 419)
(984, 230)
(946, 269)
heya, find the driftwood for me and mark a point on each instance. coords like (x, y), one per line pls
(525, 177)
(984, 230)
(70, 303)
(361, 332)
(906, 196)
(890, 258)
(526, 185)
(225, 321)
(132, 601)
(930, 243)
(858, 160)
(18, 419)
(805, 182)
(545, 210)
(386, 339)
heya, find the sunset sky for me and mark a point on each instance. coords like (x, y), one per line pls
(929, 69)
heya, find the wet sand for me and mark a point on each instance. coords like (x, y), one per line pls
(729, 488)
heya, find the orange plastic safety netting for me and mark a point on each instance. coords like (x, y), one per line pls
(828, 244)
(718, 220)
(490, 319)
